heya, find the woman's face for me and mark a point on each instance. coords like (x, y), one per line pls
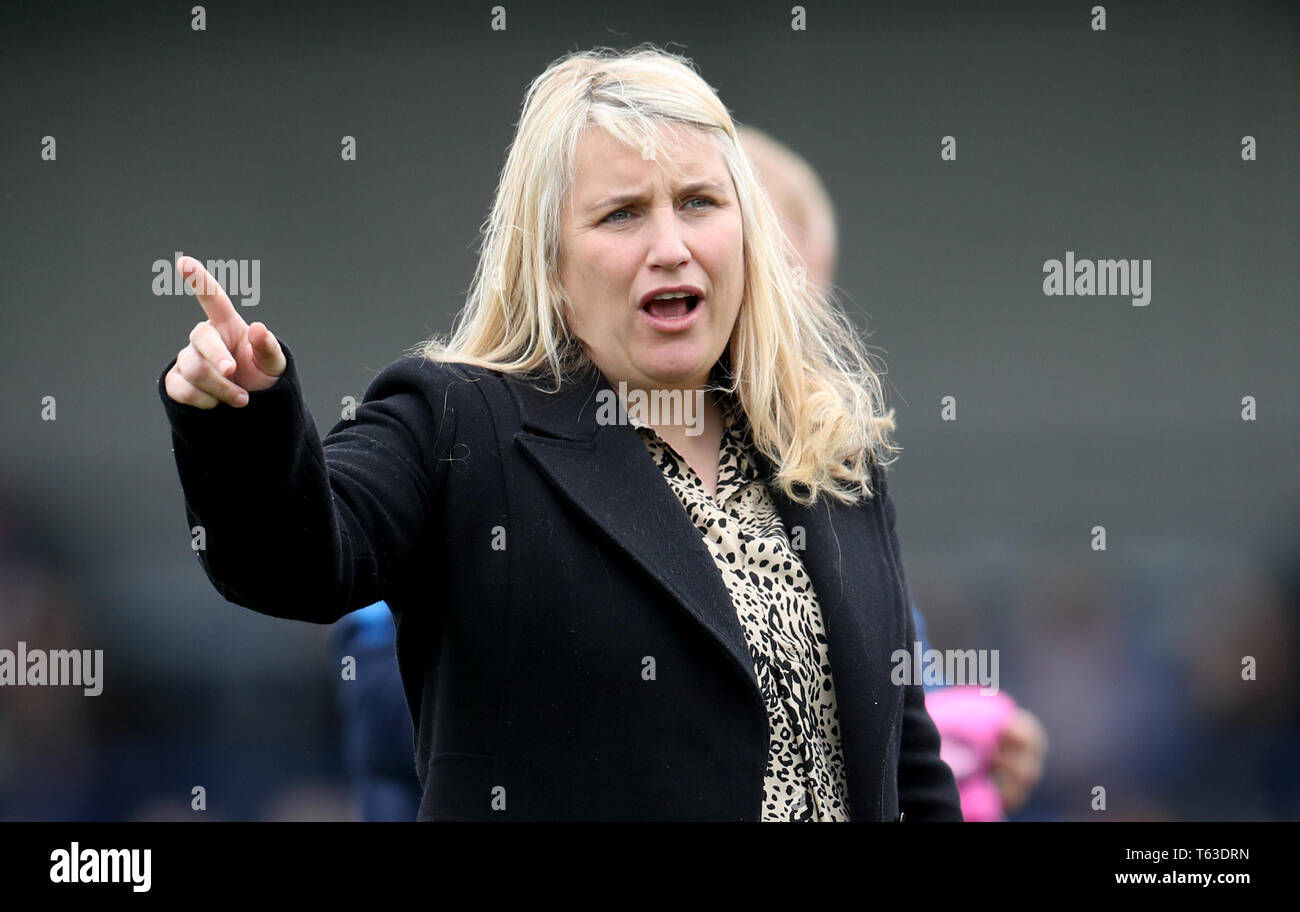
(630, 230)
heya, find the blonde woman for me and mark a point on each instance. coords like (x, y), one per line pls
(631, 516)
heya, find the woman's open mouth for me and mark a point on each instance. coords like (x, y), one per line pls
(673, 308)
(673, 315)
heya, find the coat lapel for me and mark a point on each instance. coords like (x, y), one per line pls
(606, 472)
(846, 560)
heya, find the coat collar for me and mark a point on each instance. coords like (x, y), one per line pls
(605, 471)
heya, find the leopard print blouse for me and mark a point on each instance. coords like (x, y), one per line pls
(779, 613)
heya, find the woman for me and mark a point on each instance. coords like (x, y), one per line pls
(604, 611)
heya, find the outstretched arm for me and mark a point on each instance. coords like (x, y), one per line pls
(292, 526)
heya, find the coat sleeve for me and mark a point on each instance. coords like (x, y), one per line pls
(926, 787)
(297, 528)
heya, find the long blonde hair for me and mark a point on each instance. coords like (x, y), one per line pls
(797, 366)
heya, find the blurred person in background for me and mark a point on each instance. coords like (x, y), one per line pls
(49, 759)
(378, 737)
(995, 747)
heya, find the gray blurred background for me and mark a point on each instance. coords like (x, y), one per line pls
(1071, 411)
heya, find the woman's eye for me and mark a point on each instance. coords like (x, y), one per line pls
(614, 220)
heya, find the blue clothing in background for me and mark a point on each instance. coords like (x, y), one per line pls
(925, 641)
(378, 738)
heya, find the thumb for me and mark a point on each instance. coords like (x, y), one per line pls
(266, 350)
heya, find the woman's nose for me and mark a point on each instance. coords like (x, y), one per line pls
(667, 248)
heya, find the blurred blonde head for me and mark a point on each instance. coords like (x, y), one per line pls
(796, 364)
(801, 201)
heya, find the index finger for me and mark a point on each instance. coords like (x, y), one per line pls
(212, 297)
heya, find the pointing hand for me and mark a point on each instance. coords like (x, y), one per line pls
(226, 359)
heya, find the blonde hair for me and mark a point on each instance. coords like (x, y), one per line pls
(802, 376)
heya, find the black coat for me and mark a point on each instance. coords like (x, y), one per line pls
(536, 561)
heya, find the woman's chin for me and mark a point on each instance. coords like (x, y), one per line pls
(673, 375)
(674, 363)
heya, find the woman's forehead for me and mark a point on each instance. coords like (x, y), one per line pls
(660, 133)
(604, 163)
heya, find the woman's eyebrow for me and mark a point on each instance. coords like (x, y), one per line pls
(622, 199)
